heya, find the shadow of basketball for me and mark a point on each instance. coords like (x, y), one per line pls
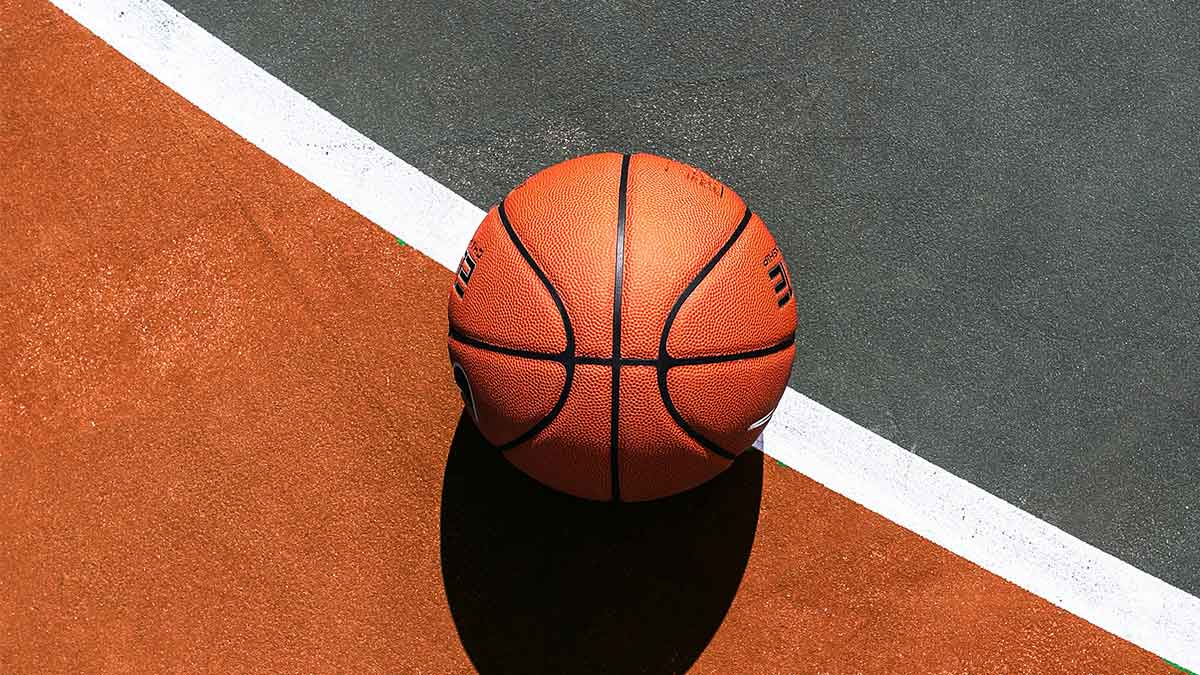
(542, 582)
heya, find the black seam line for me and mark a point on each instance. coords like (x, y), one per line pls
(459, 336)
(607, 361)
(618, 279)
(723, 358)
(556, 357)
(664, 357)
(567, 357)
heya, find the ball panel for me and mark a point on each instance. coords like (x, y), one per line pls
(728, 402)
(566, 216)
(571, 454)
(657, 457)
(496, 296)
(678, 218)
(736, 307)
(510, 394)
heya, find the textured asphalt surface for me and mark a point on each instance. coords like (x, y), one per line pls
(991, 212)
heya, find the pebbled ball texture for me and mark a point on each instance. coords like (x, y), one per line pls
(697, 309)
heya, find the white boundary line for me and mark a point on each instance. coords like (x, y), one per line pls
(818, 442)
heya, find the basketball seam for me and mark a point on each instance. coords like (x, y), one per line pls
(459, 336)
(664, 358)
(672, 362)
(618, 280)
(783, 344)
(567, 357)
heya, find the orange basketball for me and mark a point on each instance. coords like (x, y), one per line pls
(621, 326)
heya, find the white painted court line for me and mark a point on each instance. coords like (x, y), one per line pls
(823, 445)
(289, 127)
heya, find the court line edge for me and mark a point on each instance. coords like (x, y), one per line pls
(834, 451)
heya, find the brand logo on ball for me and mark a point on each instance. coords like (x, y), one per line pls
(465, 268)
(783, 287)
(705, 181)
(779, 275)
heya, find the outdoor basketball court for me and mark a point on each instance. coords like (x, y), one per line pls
(230, 439)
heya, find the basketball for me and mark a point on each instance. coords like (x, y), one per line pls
(622, 327)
